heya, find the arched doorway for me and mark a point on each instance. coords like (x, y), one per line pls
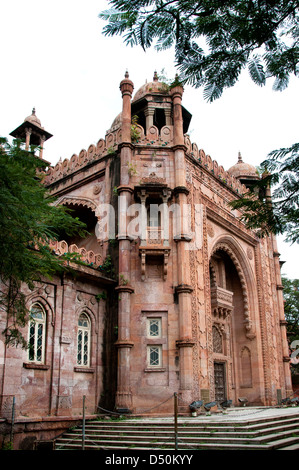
(231, 343)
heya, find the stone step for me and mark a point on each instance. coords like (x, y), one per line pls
(104, 432)
(253, 426)
(274, 442)
(264, 434)
(137, 445)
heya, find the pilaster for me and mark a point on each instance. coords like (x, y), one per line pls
(184, 343)
(124, 343)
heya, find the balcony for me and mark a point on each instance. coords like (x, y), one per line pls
(221, 302)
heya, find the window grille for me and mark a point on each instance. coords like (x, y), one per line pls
(154, 328)
(154, 355)
(37, 334)
(83, 341)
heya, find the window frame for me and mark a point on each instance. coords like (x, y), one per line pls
(84, 330)
(148, 327)
(36, 323)
(158, 348)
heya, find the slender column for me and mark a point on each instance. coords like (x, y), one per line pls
(283, 332)
(41, 150)
(168, 120)
(149, 114)
(28, 134)
(124, 343)
(184, 290)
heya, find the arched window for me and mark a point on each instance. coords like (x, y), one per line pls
(37, 334)
(217, 340)
(83, 341)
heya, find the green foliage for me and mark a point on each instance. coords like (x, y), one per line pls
(107, 267)
(214, 40)
(291, 309)
(100, 296)
(28, 221)
(135, 133)
(281, 214)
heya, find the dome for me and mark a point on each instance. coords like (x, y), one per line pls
(151, 87)
(242, 170)
(117, 122)
(33, 119)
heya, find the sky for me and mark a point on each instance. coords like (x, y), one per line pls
(55, 58)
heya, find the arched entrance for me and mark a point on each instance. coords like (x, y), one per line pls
(232, 335)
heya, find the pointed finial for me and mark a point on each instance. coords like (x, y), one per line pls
(155, 76)
(33, 111)
(127, 74)
(240, 158)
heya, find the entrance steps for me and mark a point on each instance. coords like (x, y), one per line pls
(271, 433)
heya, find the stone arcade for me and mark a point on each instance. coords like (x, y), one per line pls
(193, 304)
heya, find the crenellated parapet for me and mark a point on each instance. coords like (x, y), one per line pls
(87, 256)
(103, 148)
(153, 137)
(205, 161)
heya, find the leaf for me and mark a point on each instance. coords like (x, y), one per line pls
(281, 84)
(212, 92)
(256, 70)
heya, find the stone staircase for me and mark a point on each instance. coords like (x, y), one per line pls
(271, 433)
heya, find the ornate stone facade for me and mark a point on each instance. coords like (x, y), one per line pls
(193, 303)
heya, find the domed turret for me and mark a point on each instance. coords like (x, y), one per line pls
(32, 132)
(152, 105)
(151, 87)
(33, 119)
(244, 172)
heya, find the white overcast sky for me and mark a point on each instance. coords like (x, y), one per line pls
(55, 58)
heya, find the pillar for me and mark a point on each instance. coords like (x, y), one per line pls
(28, 134)
(183, 289)
(124, 343)
(149, 115)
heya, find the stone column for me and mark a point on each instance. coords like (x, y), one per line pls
(149, 114)
(28, 134)
(124, 343)
(282, 322)
(41, 150)
(183, 289)
(168, 121)
(68, 349)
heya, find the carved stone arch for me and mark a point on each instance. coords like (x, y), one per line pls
(213, 272)
(76, 201)
(246, 367)
(217, 335)
(91, 314)
(229, 245)
(36, 298)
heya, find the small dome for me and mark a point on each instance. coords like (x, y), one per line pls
(33, 119)
(243, 170)
(151, 87)
(117, 122)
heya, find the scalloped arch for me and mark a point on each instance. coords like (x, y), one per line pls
(77, 201)
(36, 298)
(234, 251)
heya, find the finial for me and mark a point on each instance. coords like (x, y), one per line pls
(127, 74)
(155, 76)
(33, 111)
(240, 158)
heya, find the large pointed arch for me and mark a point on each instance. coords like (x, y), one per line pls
(236, 253)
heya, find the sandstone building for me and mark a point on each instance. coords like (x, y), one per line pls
(176, 294)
